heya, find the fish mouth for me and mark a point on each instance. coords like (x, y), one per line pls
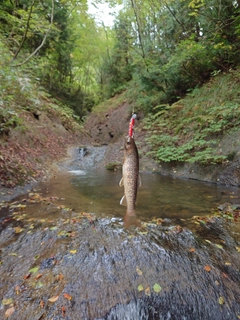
(128, 143)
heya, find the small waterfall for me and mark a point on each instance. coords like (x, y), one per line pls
(82, 152)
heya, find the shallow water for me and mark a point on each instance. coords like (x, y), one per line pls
(95, 269)
(159, 196)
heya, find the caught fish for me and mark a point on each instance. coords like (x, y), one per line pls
(130, 175)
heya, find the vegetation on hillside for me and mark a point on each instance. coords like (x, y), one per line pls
(158, 54)
(191, 129)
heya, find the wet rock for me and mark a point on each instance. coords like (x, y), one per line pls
(48, 263)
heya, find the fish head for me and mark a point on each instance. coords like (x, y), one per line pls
(129, 144)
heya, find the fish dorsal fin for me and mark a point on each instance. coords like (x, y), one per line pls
(139, 181)
(123, 201)
(121, 183)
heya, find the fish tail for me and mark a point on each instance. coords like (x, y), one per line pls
(130, 219)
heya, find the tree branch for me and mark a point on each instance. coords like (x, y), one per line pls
(43, 41)
(25, 33)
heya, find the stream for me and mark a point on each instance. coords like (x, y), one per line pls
(65, 251)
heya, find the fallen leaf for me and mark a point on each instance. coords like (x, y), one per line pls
(13, 254)
(63, 311)
(219, 246)
(38, 276)
(53, 299)
(17, 289)
(228, 264)
(53, 228)
(67, 296)
(157, 288)
(208, 241)
(39, 285)
(221, 300)
(147, 291)
(9, 312)
(5, 302)
(192, 250)
(27, 276)
(21, 206)
(60, 277)
(34, 270)
(143, 232)
(139, 271)
(238, 249)
(73, 251)
(41, 303)
(207, 268)
(140, 287)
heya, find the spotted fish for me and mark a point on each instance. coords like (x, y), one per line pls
(130, 175)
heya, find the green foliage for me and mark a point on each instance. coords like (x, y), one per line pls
(157, 53)
(116, 69)
(20, 93)
(190, 130)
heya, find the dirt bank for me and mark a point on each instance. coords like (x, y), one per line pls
(109, 128)
(29, 152)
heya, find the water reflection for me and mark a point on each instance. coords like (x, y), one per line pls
(160, 196)
(131, 220)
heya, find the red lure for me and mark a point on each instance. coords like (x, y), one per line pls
(131, 125)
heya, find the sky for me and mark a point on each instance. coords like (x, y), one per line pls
(102, 13)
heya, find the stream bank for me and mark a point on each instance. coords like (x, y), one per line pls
(110, 127)
(60, 262)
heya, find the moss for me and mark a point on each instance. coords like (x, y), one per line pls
(113, 166)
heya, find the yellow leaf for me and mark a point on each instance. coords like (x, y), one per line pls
(53, 299)
(238, 249)
(143, 232)
(139, 271)
(18, 229)
(147, 291)
(73, 251)
(157, 288)
(221, 300)
(140, 287)
(5, 302)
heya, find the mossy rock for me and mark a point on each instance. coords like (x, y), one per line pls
(113, 166)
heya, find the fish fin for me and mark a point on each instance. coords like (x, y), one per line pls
(121, 182)
(139, 181)
(123, 201)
